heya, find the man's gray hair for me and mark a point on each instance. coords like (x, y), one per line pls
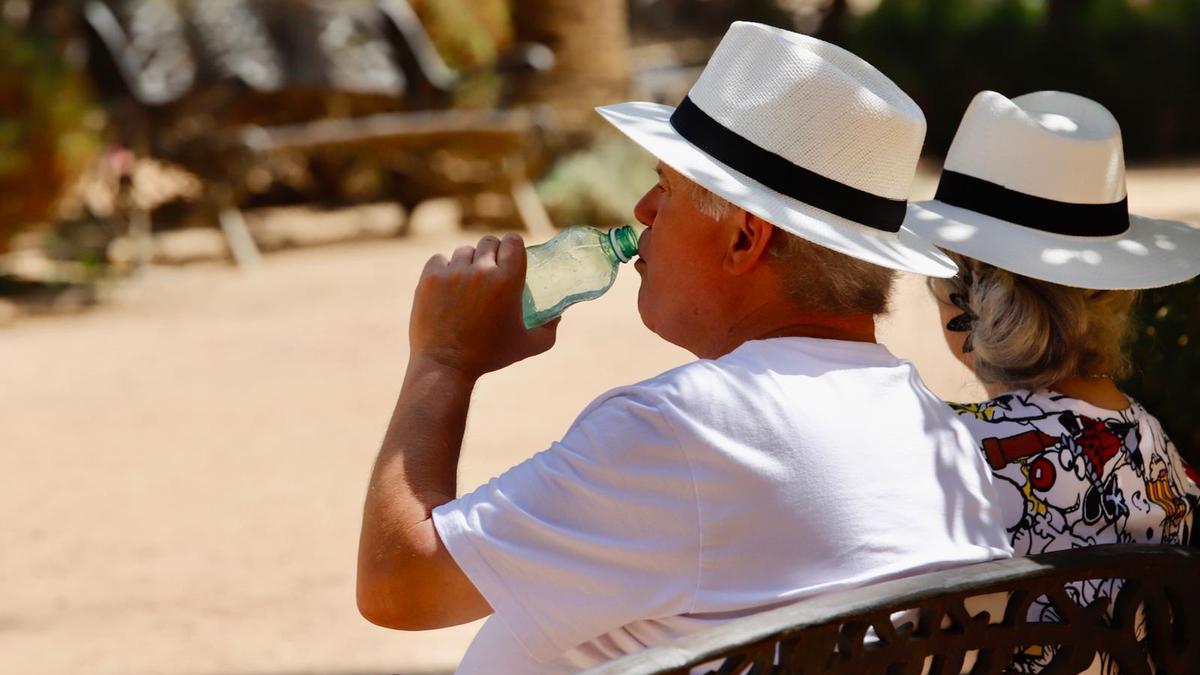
(816, 278)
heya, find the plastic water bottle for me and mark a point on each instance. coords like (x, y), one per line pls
(578, 264)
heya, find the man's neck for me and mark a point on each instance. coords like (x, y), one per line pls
(853, 329)
(763, 325)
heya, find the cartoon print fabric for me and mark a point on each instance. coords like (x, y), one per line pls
(1069, 474)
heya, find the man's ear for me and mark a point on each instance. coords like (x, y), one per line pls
(748, 243)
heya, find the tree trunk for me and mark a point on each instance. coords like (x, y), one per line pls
(590, 41)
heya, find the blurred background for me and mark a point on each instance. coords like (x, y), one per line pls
(212, 214)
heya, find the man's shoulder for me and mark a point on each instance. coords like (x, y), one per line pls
(673, 387)
(745, 374)
(624, 423)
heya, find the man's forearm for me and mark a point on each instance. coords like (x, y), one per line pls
(406, 579)
(417, 466)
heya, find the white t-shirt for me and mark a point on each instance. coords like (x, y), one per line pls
(787, 468)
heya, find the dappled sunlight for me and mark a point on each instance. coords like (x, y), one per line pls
(1062, 256)
(1057, 123)
(957, 231)
(1164, 242)
(1137, 258)
(1133, 247)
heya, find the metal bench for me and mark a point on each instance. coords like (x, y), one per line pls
(972, 619)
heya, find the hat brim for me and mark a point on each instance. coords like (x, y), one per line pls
(648, 125)
(1151, 253)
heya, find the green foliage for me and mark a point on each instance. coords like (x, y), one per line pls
(48, 128)
(1166, 358)
(1142, 62)
(598, 186)
(470, 35)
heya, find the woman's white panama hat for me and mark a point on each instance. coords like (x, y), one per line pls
(1036, 185)
(802, 134)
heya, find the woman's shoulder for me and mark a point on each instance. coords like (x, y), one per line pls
(1037, 421)
(1044, 420)
(1018, 405)
(1025, 406)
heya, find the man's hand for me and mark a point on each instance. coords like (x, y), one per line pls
(467, 310)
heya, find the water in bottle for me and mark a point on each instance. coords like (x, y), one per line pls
(578, 264)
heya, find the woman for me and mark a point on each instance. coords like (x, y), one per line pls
(1031, 205)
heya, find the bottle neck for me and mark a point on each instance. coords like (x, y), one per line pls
(622, 243)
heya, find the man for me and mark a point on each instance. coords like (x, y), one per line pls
(795, 457)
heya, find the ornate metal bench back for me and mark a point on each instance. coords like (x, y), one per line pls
(1152, 626)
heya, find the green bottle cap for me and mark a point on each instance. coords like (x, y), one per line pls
(624, 240)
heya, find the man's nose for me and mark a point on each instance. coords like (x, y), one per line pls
(646, 210)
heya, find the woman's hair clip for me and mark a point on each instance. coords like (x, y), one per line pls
(963, 323)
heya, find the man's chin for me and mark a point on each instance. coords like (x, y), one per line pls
(643, 313)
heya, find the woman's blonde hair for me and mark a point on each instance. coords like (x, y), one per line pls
(1029, 334)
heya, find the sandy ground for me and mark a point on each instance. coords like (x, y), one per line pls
(183, 468)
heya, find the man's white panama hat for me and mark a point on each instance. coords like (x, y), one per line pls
(1036, 185)
(802, 134)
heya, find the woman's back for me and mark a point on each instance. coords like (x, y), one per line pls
(1072, 474)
